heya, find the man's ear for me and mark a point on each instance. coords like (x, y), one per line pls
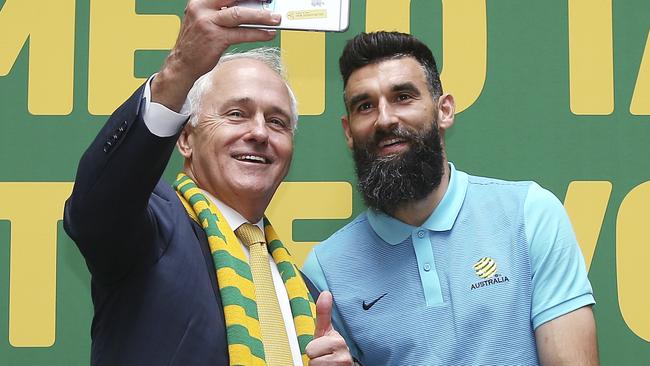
(184, 143)
(345, 122)
(446, 111)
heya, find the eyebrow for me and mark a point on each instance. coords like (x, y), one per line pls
(406, 86)
(355, 99)
(243, 100)
(248, 101)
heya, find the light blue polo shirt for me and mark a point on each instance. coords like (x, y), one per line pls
(495, 260)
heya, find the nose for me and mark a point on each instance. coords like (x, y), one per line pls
(258, 130)
(386, 117)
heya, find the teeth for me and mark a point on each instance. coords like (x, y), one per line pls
(390, 142)
(252, 158)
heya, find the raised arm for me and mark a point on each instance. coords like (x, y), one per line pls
(208, 29)
(108, 213)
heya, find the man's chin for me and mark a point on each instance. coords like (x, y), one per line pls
(246, 189)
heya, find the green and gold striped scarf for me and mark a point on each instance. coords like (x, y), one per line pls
(236, 281)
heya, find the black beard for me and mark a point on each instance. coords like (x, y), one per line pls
(387, 183)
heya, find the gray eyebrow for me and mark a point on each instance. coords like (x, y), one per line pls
(248, 100)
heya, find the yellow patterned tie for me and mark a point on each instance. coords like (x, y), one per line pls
(274, 334)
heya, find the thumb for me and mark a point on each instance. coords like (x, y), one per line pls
(323, 314)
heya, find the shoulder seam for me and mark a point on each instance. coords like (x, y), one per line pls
(356, 221)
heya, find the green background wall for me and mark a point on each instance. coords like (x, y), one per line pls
(579, 128)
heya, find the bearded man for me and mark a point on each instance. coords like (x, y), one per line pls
(444, 268)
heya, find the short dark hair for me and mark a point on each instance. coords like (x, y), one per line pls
(375, 47)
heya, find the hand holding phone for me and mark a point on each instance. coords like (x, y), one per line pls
(207, 30)
(312, 15)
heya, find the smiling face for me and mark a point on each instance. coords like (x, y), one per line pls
(382, 96)
(242, 146)
(394, 128)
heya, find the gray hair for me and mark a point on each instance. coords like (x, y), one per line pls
(270, 56)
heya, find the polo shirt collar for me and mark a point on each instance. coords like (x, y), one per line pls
(393, 231)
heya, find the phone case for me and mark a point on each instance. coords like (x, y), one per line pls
(311, 15)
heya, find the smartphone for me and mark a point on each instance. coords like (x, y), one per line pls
(309, 15)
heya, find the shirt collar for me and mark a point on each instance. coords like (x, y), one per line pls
(393, 231)
(233, 218)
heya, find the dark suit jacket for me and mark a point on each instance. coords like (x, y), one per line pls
(154, 287)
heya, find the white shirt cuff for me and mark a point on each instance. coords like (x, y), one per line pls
(160, 120)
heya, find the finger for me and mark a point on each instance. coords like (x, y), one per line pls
(331, 360)
(323, 346)
(219, 4)
(323, 314)
(251, 35)
(331, 348)
(236, 16)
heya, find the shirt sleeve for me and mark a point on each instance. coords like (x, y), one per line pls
(314, 272)
(160, 120)
(559, 275)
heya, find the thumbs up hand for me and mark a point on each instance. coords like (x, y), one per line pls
(328, 346)
(324, 314)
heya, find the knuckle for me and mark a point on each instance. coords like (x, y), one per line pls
(204, 22)
(235, 13)
(201, 28)
(191, 8)
(343, 360)
(309, 350)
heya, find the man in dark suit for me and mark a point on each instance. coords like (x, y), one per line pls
(171, 283)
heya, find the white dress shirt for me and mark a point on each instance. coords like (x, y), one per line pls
(164, 122)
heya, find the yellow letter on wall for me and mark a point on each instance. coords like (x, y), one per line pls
(33, 210)
(307, 200)
(464, 28)
(388, 15)
(303, 53)
(641, 96)
(116, 32)
(632, 258)
(591, 57)
(586, 203)
(49, 26)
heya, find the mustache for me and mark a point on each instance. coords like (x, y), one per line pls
(399, 131)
